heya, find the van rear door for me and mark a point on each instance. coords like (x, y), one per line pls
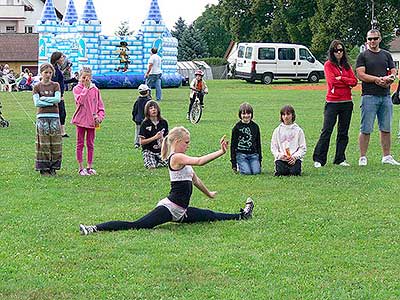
(286, 63)
(244, 68)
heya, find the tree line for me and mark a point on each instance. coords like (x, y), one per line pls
(313, 23)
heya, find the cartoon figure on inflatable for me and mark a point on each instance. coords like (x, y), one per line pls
(123, 57)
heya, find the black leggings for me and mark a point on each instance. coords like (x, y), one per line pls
(161, 215)
(62, 112)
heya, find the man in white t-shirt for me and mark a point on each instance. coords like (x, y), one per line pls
(153, 74)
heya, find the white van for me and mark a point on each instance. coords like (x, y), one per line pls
(269, 61)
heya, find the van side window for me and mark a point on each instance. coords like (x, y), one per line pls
(306, 55)
(266, 53)
(286, 54)
(249, 52)
(241, 52)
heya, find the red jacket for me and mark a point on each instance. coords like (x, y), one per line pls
(338, 90)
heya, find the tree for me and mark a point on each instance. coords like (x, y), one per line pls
(179, 28)
(123, 29)
(213, 31)
(192, 45)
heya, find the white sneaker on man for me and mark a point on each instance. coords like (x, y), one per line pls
(388, 159)
(317, 164)
(344, 164)
(363, 161)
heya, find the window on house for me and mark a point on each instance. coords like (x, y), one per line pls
(28, 29)
(10, 29)
(10, 2)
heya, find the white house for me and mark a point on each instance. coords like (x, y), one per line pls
(394, 48)
(21, 16)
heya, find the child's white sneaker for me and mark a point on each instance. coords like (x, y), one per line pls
(362, 161)
(344, 164)
(83, 172)
(388, 159)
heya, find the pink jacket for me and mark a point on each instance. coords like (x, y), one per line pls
(88, 106)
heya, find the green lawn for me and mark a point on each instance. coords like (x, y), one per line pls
(332, 233)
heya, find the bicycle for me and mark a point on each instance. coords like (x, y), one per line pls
(196, 111)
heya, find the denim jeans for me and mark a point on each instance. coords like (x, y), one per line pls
(154, 81)
(248, 164)
(376, 106)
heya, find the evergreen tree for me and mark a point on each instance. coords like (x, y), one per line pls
(123, 29)
(179, 28)
(192, 45)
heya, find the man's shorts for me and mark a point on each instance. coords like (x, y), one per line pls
(376, 106)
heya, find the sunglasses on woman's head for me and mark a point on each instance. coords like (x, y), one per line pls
(338, 50)
(373, 38)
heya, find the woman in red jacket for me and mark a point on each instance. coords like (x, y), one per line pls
(339, 105)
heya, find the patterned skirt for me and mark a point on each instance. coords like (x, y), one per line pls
(48, 144)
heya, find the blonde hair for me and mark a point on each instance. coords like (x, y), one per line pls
(86, 70)
(176, 134)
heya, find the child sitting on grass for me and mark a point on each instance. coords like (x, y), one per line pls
(288, 144)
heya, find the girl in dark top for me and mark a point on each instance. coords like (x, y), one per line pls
(151, 133)
(246, 143)
(176, 207)
(57, 59)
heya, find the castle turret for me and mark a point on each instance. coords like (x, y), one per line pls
(47, 27)
(154, 12)
(70, 16)
(89, 27)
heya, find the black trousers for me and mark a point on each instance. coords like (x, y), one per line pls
(62, 112)
(282, 168)
(333, 112)
(161, 215)
(201, 98)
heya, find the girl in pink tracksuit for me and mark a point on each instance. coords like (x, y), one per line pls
(88, 115)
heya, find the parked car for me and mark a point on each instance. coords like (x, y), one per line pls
(270, 61)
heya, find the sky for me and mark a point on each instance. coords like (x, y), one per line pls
(111, 13)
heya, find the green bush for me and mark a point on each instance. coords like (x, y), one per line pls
(215, 61)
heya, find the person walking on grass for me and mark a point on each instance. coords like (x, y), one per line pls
(151, 134)
(376, 69)
(175, 207)
(88, 115)
(138, 110)
(246, 155)
(46, 96)
(288, 144)
(340, 79)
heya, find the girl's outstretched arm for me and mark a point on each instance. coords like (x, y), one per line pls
(179, 160)
(200, 185)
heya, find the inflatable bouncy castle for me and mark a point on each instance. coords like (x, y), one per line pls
(117, 62)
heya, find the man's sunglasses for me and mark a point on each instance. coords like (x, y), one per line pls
(373, 38)
(338, 50)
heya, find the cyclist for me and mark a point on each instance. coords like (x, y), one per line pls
(198, 88)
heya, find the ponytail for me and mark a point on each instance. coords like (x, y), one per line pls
(165, 148)
(176, 134)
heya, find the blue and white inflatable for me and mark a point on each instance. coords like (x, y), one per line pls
(116, 62)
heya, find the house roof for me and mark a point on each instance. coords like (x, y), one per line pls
(19, 47)
(394, 46)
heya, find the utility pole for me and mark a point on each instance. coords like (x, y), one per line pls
(374, 21)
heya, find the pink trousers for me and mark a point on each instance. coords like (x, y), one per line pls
(80, 141)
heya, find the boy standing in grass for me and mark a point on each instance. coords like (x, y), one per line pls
(138, 110)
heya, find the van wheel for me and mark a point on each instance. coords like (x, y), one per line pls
(313, 78)
(267, 78)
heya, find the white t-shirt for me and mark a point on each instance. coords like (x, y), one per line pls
(156, 61)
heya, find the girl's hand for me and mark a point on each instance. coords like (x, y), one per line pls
(291, 160)
(224, 144)
(212, 194)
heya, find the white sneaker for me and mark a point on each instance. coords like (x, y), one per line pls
(363, 161)
(344, 164)
(388, 159)
(317, 164)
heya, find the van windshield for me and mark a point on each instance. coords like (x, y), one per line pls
(266, 53)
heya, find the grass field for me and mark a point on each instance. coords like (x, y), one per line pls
(332, 233)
